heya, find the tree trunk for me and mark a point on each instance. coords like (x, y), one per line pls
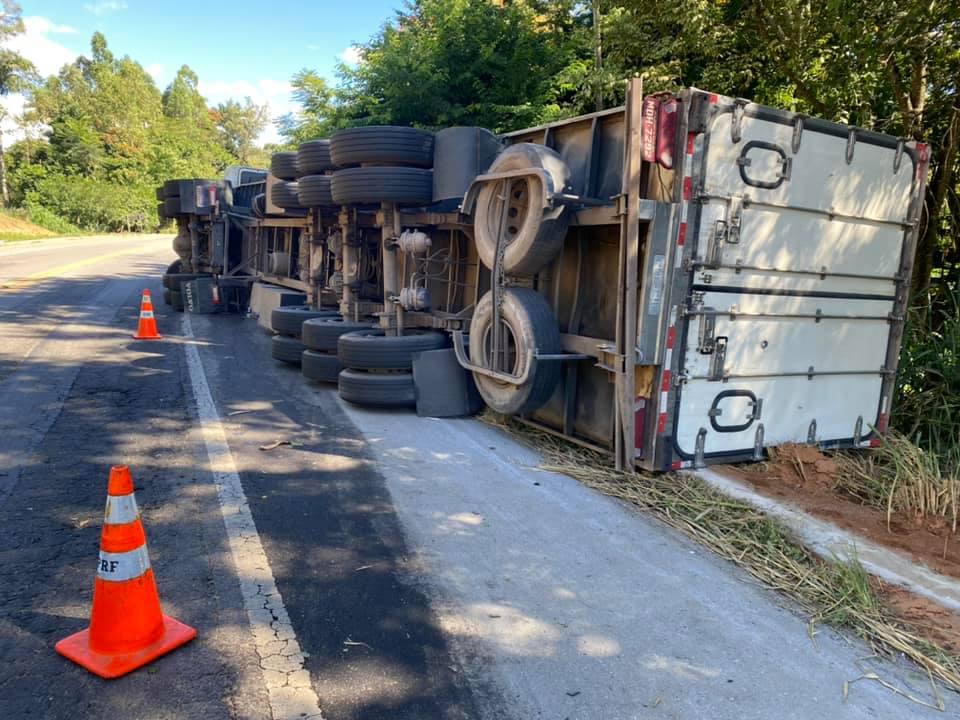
(3, 174)
(936, 196)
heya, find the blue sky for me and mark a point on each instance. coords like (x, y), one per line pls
(238, 48)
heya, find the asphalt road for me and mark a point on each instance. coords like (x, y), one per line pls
(377, 566)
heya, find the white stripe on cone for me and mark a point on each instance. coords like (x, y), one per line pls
(117, 567)
(120, 510)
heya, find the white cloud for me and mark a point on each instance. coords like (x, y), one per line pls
(42, 25)
(36, 46)
(105, 6)
(275, 94)
(159, 74)
(352, 55)
(47, 55)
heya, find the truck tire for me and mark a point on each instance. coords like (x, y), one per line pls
(284, 194)
(176, 300)
(532, 327)
(382, 144)
(411, 186)
(161, 195)
(173, 281)
(322, 333)
(314, 191)
(287, 319)
(167, 300)
(373, 350)
(319, 366)
(175, 267)
(534, 235)
(372, 389)
(171, 188)
(313, 157)
(171, 206)
(286, 349)
(161, 211)
(284, 165)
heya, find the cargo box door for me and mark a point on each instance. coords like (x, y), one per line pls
(791, 282)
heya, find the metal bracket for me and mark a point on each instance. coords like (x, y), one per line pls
(898, 156)
(797, 134)
(736, 122)
(851, 144)
(758, 443)
(699, 449)
(705, 340)
(550, 194)
(812, 432)
(858, 430)
(757, 409)
(718, 359)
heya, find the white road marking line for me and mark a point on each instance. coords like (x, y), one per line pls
(289, 690)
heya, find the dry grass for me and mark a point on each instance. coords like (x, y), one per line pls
(901, 477)
(836, 593)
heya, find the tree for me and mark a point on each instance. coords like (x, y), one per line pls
(318, 113)
(16, 75)
(183, 101)
(464, 62)
(239, 125)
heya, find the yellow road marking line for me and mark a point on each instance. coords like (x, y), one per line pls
(26, 280)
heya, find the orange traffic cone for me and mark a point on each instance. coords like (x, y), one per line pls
(127, 628)
(147, 327)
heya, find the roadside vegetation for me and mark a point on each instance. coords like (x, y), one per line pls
(97, 137)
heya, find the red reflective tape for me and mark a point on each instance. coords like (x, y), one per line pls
(682, 235)
(714, 99)
(671, 337)
(882, 423)
(687, 187)
(666, 381)
(662, 424)
(691, 138)
(676, 465)
(875, 443)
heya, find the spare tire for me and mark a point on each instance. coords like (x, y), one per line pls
(322, 333)
(314, 191)
(284, 195)
(371, 389)
(532, 327)
(382, 144)
(175, 267)
(287, 349)
(534, 235)
(411, 186)
(373, 350)
(287, 319)
(313, 157)
(284, 165)
(322, 367)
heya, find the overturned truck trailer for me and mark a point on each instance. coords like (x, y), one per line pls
(688, 279)
(732, 277)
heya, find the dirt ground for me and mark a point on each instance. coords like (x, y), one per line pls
(807, 478)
